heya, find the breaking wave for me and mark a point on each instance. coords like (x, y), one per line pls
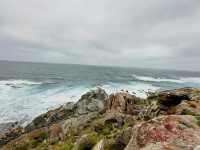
(32, 98)
(138, 89)
(179, 80)
(20, 83)
(26, 99)
(190, 79)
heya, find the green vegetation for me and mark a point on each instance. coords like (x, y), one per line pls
(21, 146)
(198, 120)
(37, 138)
(88, 142)
(187, 112)
(66, 146)
(105, 131)
(141, 102)
(43, 146)
(125, 125)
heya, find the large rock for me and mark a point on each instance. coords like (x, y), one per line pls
(4, 127)
(173, 132)
(124, 102)
(9, 135)
(176, 96)
(92, 101)
(192, 93)
(71, 113)
(77, 124)
(169, 98)
(9, 131)
(185, 101)
(86, 142)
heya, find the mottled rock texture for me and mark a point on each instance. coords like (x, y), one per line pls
(175, 131)
(166, 120)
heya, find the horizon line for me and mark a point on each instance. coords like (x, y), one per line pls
(106, 66)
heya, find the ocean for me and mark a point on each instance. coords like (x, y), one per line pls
(29, 89)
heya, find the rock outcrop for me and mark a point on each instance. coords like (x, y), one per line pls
(10, 134)
(172, 132)
(125, 103)
(92, 101)
(167, 120)
(183, 101)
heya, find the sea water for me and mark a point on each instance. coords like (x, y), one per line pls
(29, 89)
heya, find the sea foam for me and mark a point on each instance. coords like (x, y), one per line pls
(33, 98)
(26, 99)
(29, 101)
(190, 79)
(138, 89)
(17, 83)
(179, 80)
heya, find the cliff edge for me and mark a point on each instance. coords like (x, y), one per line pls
(166, 120)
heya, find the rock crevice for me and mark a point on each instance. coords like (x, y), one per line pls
(166, 120)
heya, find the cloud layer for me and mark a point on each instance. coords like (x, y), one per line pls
(141, 33)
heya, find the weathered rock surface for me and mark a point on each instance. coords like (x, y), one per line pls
(185, 101)
(99, 146)
(168, 120)
(86, 141)
(10, 131)
(124, 102)
(92, 101)
(4, 127)
(9, 135)
(118, 142)
(172, 132)
(77, 124)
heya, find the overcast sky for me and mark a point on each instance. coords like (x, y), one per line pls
(140, 33)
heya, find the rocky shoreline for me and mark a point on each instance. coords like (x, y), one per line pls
(167, 120)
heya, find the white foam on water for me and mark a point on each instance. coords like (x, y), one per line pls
(20, 104)
(179, 80)
(139, 89)
(29, 101)
(148, 78)
(190, 79)
(32, 98)
(17, 83)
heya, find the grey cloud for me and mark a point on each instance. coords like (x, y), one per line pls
(153, 33)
